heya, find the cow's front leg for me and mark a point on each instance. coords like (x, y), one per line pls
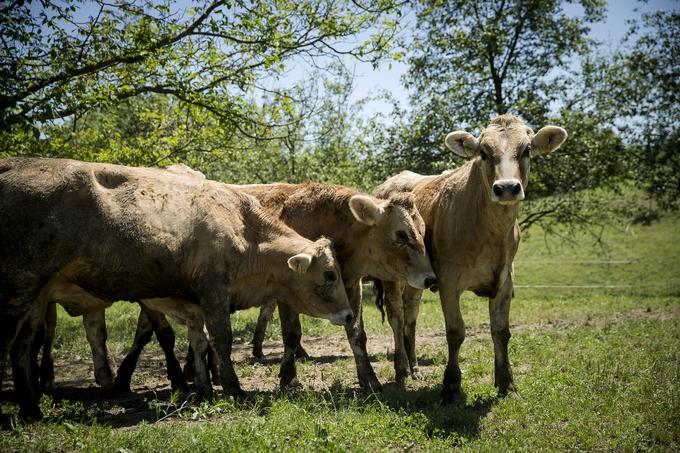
(411, 298)
(357, 339)
(24, 355)
(292, 332)
(395, 316)
(214, 301)
(95, 331)
(455, 335)
(47, 361)
(499, 314)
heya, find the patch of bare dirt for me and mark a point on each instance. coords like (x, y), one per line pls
(331, 365)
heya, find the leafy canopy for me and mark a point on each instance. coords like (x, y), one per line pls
(63, 58)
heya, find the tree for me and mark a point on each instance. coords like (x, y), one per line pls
(60, 59)
(644, 87)
(471, 60)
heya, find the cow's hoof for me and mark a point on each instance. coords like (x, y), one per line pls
(47, 386)
(454, 399)
(181, 387)
(301, 354)
(204, 394)
(292, 384)
(110, 391)
(287, 379)
(189, 372)
(372, 385)
(509, 391)
(120, 387)
(415, 375)
(258, 354)
(30, 413)
(7, 422)
(235, 392)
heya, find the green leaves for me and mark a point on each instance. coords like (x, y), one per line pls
(57, 59)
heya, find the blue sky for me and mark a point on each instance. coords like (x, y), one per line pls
(609, 32)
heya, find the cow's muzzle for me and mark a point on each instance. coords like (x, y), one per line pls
(422, 281)
(342, 317)
(507, 191)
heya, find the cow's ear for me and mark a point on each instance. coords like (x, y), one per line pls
(547, 140)
(365, 210)
(300, 262)
(462, 143)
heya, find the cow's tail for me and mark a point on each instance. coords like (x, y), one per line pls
(379, 292)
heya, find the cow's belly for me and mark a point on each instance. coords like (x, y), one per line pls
(481, 280)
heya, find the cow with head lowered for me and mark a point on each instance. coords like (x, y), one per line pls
(373, 237)
(472, 234)
(122, 233)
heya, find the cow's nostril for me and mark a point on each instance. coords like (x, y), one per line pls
(498, 190)
(348, 319)
(429, 282)
(516, 189)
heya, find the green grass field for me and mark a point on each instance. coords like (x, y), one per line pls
(598, 368)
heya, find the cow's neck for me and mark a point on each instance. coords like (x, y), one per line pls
(353, 251)
(497, 219)
(271, 258)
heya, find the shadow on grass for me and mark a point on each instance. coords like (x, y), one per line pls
(442, 419)
(90, 405)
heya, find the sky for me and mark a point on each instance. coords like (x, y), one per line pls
(609, 32)
(368, 81)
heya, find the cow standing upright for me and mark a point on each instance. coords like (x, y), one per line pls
(472, 233)
(137, 233)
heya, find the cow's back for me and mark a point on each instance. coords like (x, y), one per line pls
(311, 209)
(120, 231)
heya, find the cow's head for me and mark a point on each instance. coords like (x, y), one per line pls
(395, 244)
(505, 148)
(315, 283)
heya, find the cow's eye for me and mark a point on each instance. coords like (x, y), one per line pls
(329, 276)
(402, 237)
(526, 152)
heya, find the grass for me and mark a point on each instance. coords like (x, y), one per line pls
(597, 368)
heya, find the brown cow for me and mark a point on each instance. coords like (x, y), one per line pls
(137, 233)
(381, 238)
(472, 233)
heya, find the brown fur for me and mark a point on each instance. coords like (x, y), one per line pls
(134, 233)
(363, 250)
(472, 233)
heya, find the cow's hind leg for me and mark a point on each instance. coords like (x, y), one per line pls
(143, 336)
(166, 338)
(411, 299)
(499, 314)
(213, 300)
(47, 361)
(24, 354)
(199, 348)
(95, 330)
(266, 313)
